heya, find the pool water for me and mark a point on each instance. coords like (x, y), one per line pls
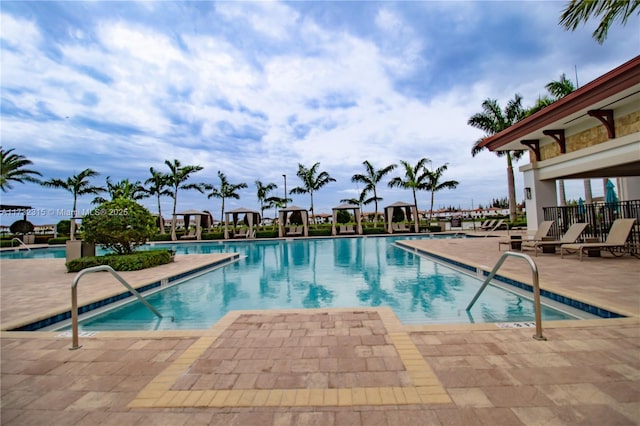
(321, 273)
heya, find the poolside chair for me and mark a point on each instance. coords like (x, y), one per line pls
(569, 237)
(541, 233)
(346, 230)
(488, 225)
(617, 238)
(242, 233)
(295, 231)
(191, 235)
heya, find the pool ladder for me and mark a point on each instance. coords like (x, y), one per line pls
(536, 288)
(74, 298)
(21, 243)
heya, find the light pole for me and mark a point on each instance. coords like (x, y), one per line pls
(285, 190)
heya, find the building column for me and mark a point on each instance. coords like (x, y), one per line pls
(538, 194)
(628, 188)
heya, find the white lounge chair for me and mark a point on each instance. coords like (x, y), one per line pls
(617, 238)
(543, 230)
(569, 237)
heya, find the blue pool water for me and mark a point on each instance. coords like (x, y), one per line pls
(318, 273)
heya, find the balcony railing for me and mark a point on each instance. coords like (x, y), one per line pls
(599, 216)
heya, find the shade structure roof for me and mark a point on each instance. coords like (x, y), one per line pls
(346, 207)
(399, 204)
(241, 210)
(292, 209)
(193, 213)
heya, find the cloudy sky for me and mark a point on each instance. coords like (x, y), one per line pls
(254, 88)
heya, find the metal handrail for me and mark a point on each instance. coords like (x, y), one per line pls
(74, 298)
(536, 288)
(21, 242)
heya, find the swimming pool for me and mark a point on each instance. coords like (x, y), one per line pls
(319, 273)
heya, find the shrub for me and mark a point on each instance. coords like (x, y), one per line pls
(270, 233)
(122, 262)
(343, 216)
(59, 240)
(21, 227)
(64, 227)
(373, 231)
(319, 232)
(161, 237)
(213, 236)
(120, 225)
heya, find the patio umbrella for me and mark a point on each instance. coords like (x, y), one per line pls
(610, 197)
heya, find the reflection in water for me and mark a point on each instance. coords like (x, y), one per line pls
(313, 273)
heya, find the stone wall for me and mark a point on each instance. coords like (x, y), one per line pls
(624, 125)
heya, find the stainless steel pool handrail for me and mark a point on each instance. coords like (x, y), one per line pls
(74, 298)
(536, 288)
(21, 243)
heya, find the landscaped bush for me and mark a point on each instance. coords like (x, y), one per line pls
(435, 228)
(120, 224)
(374, 231)
(122, 262)
(213, 235)
(64, 227)
(160, 237)
(270, 233)
(319, 232)
(59, 240)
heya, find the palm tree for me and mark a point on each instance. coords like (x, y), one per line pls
(176, 180)
(580, 11)
(78, 185)
(263, 191)
(371, 180)
(158, 183)
(434, 184)
(362, 200)
(416, 178)
(123, 189)
(311, 182)
(226, 190)
(493, 120)
(12, 168)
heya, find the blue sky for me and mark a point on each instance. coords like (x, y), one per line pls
(254, 88)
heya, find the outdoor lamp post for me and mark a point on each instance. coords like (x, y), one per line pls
(285, 190)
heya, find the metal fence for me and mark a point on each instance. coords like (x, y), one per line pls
(599, 216)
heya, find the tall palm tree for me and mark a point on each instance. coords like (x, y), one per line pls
(415, 178)
(609, 11)
(434, 185)
(158, 183)
(176, 179)
(123, 189)
(492, 120)
(13, 169)
(78, 185)
(226, 190)
(371, 180)
(311, 183)
(262, 194)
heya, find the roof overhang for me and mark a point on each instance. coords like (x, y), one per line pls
(615, 89)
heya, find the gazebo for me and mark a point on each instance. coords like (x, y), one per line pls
(410, 211)
(202, 218)
(356, 213)
(251, 217)
(282, 219)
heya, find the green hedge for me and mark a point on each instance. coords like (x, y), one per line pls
(271, 233)
(160, 237)
(320, 232)
(128, 262)
(59, 240)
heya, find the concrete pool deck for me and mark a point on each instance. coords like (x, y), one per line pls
(330, 366)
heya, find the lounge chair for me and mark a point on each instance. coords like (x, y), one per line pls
(569, 237)
(242, 233)
(617, 238)
(295, 231)
(346, 230)
(543, 230)
(400, 227)
(191, 235)
(487, 225)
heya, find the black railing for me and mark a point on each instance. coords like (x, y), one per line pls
(599, 216)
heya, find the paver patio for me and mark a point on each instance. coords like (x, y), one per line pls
(341, 366)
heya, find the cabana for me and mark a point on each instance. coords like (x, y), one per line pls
(251, 218)
(410, 213)
(282, 220)
(356, 214)
(203, 219)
